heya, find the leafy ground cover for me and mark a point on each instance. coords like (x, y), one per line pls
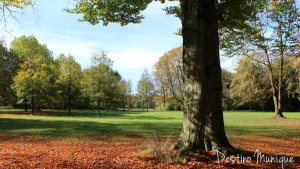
(51, 139)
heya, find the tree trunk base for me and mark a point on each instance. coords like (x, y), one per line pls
(279, 115)
(189, 150)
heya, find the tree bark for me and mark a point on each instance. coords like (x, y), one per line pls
(98, 106)
(203, 125)
(279, 112)
(32, 105)
(25, 105)
(38, 106)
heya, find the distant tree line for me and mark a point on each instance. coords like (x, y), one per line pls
(248, 88)
(30, 77)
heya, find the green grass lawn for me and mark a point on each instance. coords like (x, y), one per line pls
(140, 124)
(262, 123)
(3, 109)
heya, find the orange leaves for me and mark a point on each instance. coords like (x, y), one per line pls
(26, 152)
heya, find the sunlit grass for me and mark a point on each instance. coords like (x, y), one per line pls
(11, 109)
(140, 124)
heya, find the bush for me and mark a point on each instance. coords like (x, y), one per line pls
(174, 105)
(160, 150)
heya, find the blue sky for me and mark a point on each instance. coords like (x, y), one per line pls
(132, 48)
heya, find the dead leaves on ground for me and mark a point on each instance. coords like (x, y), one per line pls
(26, 152)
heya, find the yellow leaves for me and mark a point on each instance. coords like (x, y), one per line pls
(169, 60)
(17, 3)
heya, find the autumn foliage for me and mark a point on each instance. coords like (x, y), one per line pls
(110, 152)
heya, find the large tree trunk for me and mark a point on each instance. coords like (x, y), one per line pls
(203, 125)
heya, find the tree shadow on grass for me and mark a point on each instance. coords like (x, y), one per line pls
(74, 128)
(140, 115)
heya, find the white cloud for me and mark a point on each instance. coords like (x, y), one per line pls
(228, 63)
(81, 51)
(134, 58)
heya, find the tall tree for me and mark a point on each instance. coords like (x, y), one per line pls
(203, 126)
(99, 81)
(34, 78)
(161, 91)
(145, 89)
(8, 67)
(130, 96)
(227, 102)
(32, 81)
(270, 34)
(249, 85)
(169, 74)
(124, 90)
(69, 80)
(290, 83)
(111, 97)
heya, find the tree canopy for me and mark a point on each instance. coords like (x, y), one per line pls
(9, 9)
(34, 77)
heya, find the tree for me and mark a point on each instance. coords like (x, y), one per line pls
(32, 81)
(69, 79)
(8, 67)
(268, 35)
(99, 81)
(145, 89)
(161, 91)
(169, 75)
(227, 102)
(130, 96)
(203, 126)
(125, 92)
(295, 63)
(290, 83)
(249, 85)
(169, 80)
(35, 76)
(111, 97)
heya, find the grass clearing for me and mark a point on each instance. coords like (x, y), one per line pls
(116, 140)
(87, 123)
(262, 123)
(140, 124)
